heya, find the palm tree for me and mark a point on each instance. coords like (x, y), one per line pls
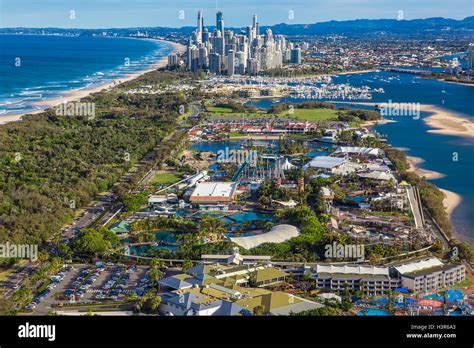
(155, 275)
(209, 226)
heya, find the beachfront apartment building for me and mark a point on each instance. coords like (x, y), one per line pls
(417, 275)
(372, 280)
(428, 274)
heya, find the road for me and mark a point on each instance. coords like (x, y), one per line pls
(415, 207)
(17, 278)
(106, 203)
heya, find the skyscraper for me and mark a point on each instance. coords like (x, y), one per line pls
(219, 44)
(242, 52)
(231, 63)
(470, 56)
(199, 27)
(296, 55)
(215, 63)
(255, 26)
(220, 22)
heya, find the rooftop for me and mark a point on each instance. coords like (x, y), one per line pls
(418, 265)
(359, 150)
(325, 162)
(213, 190)
(351, 269)
(277, 234)
(431, 270)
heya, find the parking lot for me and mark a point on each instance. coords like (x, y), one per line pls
(44, 305)
(90, 284)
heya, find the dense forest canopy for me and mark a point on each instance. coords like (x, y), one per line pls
(48, 161)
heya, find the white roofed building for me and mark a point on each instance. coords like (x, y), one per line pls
(357, 150)
(372, 280)
(376, 175)
(213, 193)
(429, 274)
(325, 163)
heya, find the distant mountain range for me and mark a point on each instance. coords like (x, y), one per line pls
(436, 26)
(371, 26)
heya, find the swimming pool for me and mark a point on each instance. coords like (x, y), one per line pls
(237, 218)
(372, 312)
(356, 199)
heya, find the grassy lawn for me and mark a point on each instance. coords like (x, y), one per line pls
(219, 110)
(311, 114)
(235, 134)
(164, 178)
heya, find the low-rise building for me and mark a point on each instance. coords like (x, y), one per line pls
(213, 193)
(372, 280)
(428, 274)
(214, 290)
(326, 164)
(235, 258)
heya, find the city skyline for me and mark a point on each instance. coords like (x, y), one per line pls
(147, 13)
(247, 52)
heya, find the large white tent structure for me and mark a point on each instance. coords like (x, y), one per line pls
(277, 234)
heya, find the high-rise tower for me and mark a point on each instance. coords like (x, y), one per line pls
(220, 22)
(199, 27)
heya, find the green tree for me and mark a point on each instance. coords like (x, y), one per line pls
(91, 242)
(258, 311)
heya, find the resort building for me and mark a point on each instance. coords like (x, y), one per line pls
(428, 274)
(213, 193)
(236, 259)
(372, 280)
(326, 164)
(359, 151)
(206, 290)
(215, 300)
(377, 175)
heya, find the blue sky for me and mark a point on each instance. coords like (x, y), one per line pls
(237, 13)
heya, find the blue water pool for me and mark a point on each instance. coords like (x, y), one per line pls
(356, 199)
(373, 312)
(236, 218)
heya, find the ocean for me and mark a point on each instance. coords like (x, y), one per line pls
(412, 135)
(34, 68)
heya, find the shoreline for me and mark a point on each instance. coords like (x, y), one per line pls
(443, 121)
(354, 72)
(456, 83)
(78, 94)
(336, 73)
(447, 122)
(421, 172)
(451, 201)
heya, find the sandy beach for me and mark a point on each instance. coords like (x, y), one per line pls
(444, 121)
(457, 83)
(447, 122)
(451, 201)
(377, 122)
(75, 95)
(414, 168)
